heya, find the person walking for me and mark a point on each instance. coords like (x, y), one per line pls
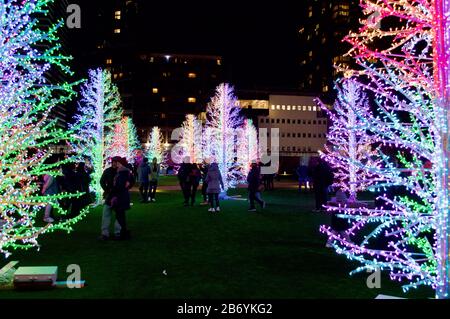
(143, 172)
(215, 183)
(107, 182)
(254, 184)
(155, 169)
(120, 196)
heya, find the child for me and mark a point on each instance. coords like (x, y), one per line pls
(215, 182)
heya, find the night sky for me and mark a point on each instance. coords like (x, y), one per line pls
(258, 40)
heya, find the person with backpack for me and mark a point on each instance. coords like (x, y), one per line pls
(155, 169)
(215, 183)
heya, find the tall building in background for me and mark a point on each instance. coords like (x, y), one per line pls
(157, 88)
(323, 27)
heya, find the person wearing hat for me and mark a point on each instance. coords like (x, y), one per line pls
(107, 182)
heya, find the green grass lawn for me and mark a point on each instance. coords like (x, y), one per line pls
(278, 253)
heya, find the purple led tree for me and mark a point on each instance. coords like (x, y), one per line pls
(98, 113)
(222, 121)
(403, 53)
(349, 150)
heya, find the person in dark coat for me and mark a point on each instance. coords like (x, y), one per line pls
(85, 181)
(143, 172)
(107, 182)
(215, 182)
(254, 183)
(120, 196)
(322, 176)
(184, 180)
(155, 170)
(194, 177)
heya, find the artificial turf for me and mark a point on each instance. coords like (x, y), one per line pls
(275, 253)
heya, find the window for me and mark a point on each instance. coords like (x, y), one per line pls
(288, 107)
(299, 135)
(282, 148)
(315, 108)
(278, 121)
(278, 107)
(108, 61)
(262, 121)
(272, 121)
(304, 122)
(163, 99)
(283, 121)
(283, 135)
(288, 121)
(314, 135)
(219, 62)
(293, 148)
(117, 31)
(299, 121)
(283, 107)
(192, 100)
(192, 75)
(288, 134)
(304, 107)
(304, 135)
(267, 121)
(314, 122)
(309, 135)
(117, 15)
(309, 122)
(273, 107)
(309, 108)
(294, 108)
(155, 90)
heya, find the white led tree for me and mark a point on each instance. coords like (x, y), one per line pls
(247, 146)
(349, 150)
(223, 119)
(191, 139)
(99, 112)
(27, 52)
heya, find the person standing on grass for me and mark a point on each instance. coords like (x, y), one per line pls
(107, 182)
(50, 187)
(120, 195)
(204, 171)
(254, 184)
(215, 182)
(155, 169)
(183, 178)
(194, 176)
(322, 176)
(143, 172)
(85, 180)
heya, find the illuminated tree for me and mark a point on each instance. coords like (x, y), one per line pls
(98, 114)
(403, 53)
(155, 145)
(247, 146)
(132, 139)
(222, 122)
(118, 140)
(191, 138)
(27, 52)
(349, 150)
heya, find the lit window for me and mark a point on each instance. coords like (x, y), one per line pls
(315, 108)
(192, 75)
(278, 107)
(273, 107)
(116, 31)
(294, 108)
(288, 107)
(309, 108)
(115, 76)
(192, 100)
(117, 15)
(304, 107)
(163, 99)
(108, 61)
(155, 90)
(283, 107)
(219, 62)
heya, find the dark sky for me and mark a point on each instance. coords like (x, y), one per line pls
(259, 40)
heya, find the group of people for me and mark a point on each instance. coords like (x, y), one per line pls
(74, 178)
(191, 174)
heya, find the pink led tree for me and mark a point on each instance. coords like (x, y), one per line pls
(349, 150)
(402, 51)
(118, 138)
